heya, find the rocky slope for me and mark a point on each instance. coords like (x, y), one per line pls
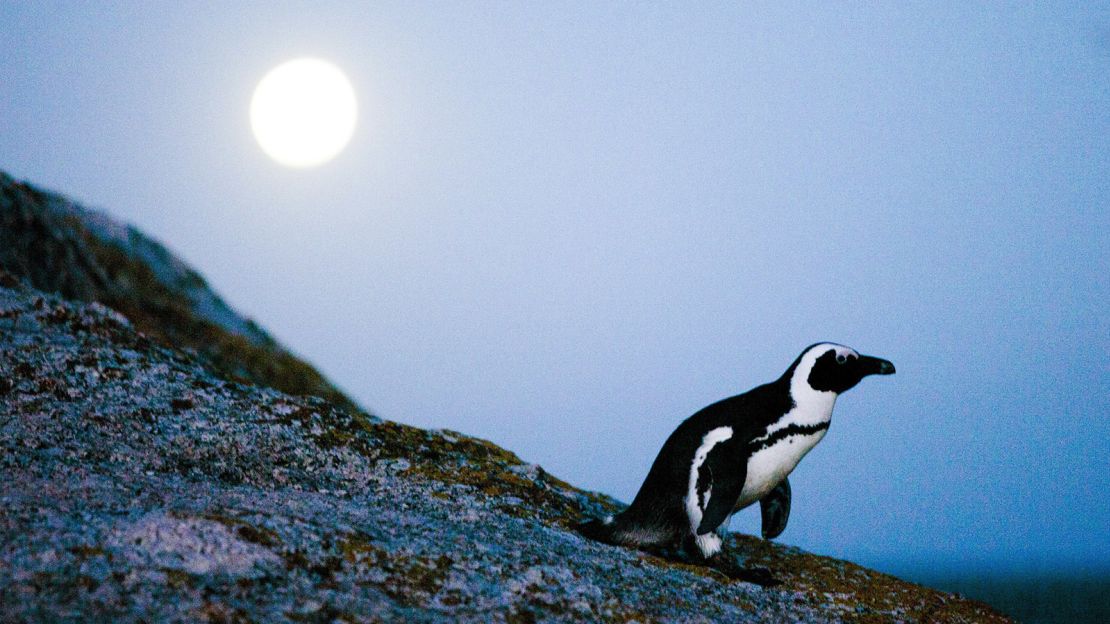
(139, 483)
(60, 246)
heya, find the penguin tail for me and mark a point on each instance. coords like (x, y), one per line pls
(624, 529)
(599, 529)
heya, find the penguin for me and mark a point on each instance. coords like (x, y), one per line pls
(735, 452)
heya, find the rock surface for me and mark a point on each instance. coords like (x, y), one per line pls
(139, 483)
(60, 246)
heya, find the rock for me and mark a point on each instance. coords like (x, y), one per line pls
(141, 483)
(59, 246)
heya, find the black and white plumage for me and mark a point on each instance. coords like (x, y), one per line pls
(736, 452)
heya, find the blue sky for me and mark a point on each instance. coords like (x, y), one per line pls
(566, 227)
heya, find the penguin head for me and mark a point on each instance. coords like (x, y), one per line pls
(836, 368)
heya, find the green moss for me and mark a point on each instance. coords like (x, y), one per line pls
(86, 582)
(704, 571)
(84, 551)
(258, 535)
(179, 579)
(410, 579)
(296, 560)
(167, 314)
(455, 458)
(870, 596)
(219, 613)
(242, 529)
(326, 614)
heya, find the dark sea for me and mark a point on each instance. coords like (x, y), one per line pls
(1032, 598)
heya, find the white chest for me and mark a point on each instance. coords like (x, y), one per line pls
(803, 427)
(769, 466)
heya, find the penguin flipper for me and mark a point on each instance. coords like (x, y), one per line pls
(775, 510)
(724, 477)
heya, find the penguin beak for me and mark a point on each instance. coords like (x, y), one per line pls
(875, 366)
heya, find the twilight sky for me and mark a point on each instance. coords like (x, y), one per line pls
(567, 226)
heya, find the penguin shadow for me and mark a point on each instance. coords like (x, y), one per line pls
(725, 563)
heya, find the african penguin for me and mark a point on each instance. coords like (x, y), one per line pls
(736, 452)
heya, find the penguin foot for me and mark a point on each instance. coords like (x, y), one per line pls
(730, 567)
(721, 561)
(701, 549)
(758, 576)
(669, 552)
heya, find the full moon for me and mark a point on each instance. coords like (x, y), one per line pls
(303, 112)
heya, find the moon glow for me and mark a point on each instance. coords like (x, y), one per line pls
(303, 112)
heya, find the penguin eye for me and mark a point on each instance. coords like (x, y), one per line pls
(841, 358)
